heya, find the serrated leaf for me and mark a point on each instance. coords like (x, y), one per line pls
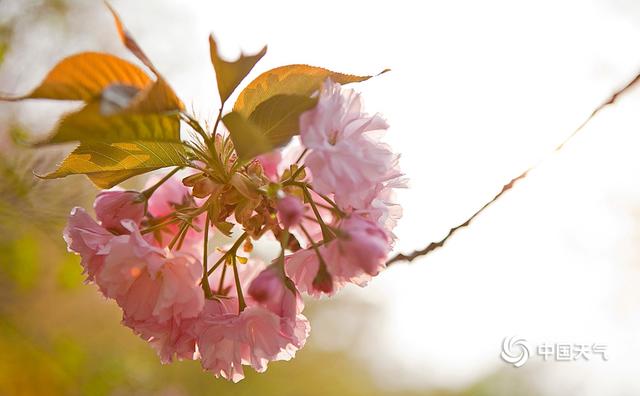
(84, 76)
(278, 117)
(230, 74)
(248, 138)
(108, 164)
(291, 79)
(90, 125)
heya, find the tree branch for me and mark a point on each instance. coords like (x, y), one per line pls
(436, 245)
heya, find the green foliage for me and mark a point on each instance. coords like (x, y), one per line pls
(108, 164)
(90, 125)
(271, 125)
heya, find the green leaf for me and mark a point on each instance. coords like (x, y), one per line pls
(248, 138)
(278, 117)
(292, 79)
(108, 164)
(84, 76)
(230, 74)
(90, 125)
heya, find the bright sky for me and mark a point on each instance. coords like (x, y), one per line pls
(478, 92)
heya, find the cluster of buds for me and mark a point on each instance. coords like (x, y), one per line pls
(326, 197)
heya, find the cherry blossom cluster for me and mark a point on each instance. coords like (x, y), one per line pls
(326, 197)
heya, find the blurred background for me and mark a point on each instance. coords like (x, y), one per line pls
(478, 92)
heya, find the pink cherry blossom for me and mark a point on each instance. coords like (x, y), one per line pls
(172, 293)
(290, 211)
(302, 267)
(274, 291)
(127, 257)
(357, 254)
(169, 338)
(228, 340)
(149, 282)
(85, 237)
(345, 157)
(113, 206)
(361, 253)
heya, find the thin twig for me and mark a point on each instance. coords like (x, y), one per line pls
(435, 245)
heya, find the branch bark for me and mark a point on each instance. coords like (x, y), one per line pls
(436, 245)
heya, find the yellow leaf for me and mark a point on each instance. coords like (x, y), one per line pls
(291, 79)
(90, 125)
(108, 164)
(84, 76)
(230, 74)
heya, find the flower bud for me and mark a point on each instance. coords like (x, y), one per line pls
(114, 206)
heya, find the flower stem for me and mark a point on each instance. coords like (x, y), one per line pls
(205, 254)
(149, 191)
(314, 246)
(326, 233)
(241, 304)
(221, 283)
(233, 251)
(329, 201)
(301, 155)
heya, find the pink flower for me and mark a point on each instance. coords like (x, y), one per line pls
(290, 211)
(364, 249)
(127, 257)
(227, 341)
(149, 282)
(114, 206)
(169, 338)
(274, 291)
(345, 158)
(85, 237)
(358, 253)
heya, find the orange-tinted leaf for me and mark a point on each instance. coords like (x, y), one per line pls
(291, 79)
(108, 164)
(230, 74)
(84, 76)
(156, 98)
